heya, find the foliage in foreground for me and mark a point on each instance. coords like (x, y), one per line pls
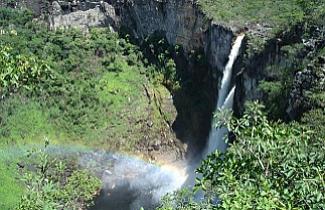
(52, 185)
(271, 166)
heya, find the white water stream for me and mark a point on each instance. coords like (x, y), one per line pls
(130, 184)
(216, 139)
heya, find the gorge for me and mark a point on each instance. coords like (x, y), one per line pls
(181, 23)
(137, 84)
(181, 173)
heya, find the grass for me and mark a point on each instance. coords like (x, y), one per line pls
(11, 190)
(23, 120)
(274, 13)
(265, 19)
(95, 79)
(95, 96)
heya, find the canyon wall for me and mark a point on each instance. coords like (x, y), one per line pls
(182, 23)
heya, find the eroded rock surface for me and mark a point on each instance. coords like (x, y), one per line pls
(181, 22)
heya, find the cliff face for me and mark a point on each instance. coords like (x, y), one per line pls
(181, 22)
(251, 71)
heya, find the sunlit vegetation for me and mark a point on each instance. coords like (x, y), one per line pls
(276, 13)
(69, 87)
(55, 183)
(83, 82)
(271, 165)
(265, 18)
(72, 87)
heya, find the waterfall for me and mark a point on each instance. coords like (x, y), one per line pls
(229, 100)
(216, 139)
(226, 79)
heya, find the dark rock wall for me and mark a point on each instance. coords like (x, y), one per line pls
(183, 24)
(181, 21)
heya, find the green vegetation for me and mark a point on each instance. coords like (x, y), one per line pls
(72, 88)
(78, 88)
(277, 88)
(56, 184)
(265, 19)
(82, 83)
(299, 71)
(271, 165)
(10, 190)
(7, 17)
(158, 51)
(23, 121)
(20, 71)
(276, 13)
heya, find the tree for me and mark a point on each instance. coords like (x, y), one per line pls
(270, 166)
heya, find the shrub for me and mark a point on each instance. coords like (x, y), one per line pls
(51, 184)
(271, 166)
(20, 71)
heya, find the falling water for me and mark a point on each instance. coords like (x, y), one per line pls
(225, 101)
(230, 99)
(129, 183)
(226, 79)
